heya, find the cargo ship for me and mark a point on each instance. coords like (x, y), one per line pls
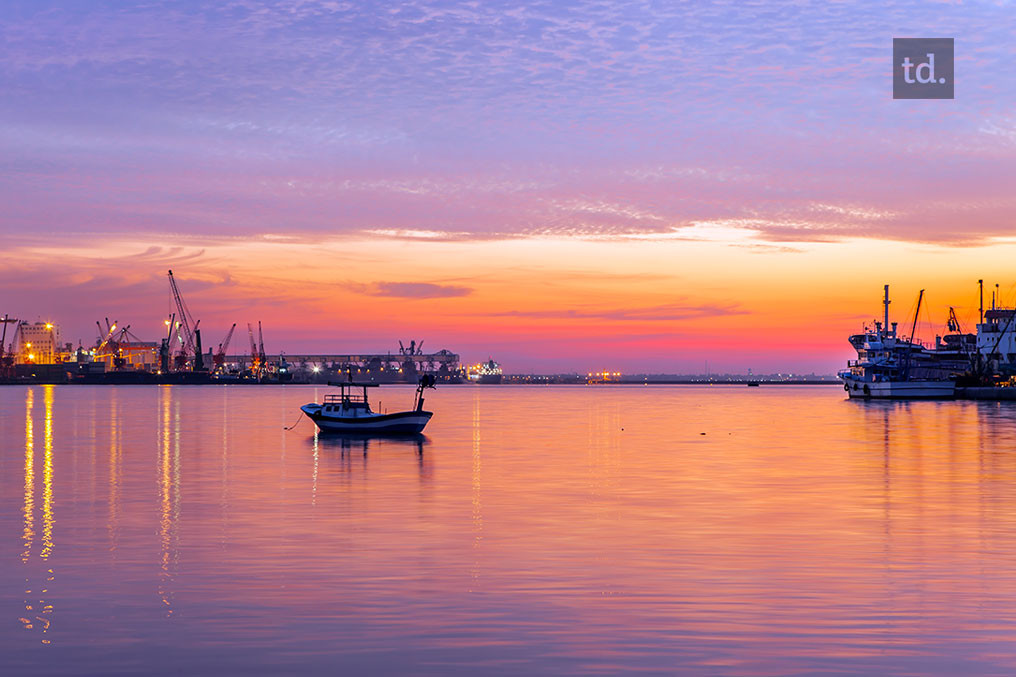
(487, 372)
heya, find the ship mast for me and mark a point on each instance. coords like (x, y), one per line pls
(885, 321)
(980, 307)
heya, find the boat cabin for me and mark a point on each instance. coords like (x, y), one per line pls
(348, 402)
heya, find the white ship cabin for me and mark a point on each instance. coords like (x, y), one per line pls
(875, 343)
(998, 334)
(347, 404)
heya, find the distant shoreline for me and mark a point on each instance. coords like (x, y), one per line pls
(463, 383)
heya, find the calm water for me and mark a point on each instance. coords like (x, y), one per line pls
(534, 530)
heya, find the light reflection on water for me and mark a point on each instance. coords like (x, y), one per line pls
(547, 530)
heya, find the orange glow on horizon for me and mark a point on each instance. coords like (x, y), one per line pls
(666, 305)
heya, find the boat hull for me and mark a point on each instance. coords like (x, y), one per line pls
(901, 390)
(401, 423)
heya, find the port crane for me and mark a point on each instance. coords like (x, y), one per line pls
(255, 367)
(219, 359)
(164, 345)
(6, 357)
(413, 348)
(191, 338)
(105, 337)
(954, 323)
(261, 351)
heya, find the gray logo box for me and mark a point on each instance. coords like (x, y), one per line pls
(923, 68)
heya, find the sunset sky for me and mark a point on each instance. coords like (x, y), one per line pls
(562, 186)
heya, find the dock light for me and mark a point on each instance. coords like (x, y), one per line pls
(316, 369)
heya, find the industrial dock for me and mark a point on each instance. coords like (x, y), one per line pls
(34, 352)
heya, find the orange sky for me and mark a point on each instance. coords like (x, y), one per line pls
(659, 304)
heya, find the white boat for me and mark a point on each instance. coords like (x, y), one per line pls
(350, 412)
(900, 390)
(891, 367)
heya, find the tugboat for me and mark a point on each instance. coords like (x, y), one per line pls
(890, 367)
(350, 412)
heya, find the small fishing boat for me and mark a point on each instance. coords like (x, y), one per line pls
(349, 412)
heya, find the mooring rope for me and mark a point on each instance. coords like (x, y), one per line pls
(295, 424)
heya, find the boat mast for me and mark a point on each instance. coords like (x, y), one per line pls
(885, 321)
(980, 307)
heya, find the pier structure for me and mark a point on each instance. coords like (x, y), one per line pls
(442, 363)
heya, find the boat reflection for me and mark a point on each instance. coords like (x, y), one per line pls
(348, 443)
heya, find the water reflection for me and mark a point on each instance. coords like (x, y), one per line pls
(348, 444)
(800, 535)
(477, 495)
(338, 451)
(115, 470)
(38, 606)
(169, 495)
(29, 506)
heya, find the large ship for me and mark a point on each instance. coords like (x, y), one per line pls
(488, 372)
(889, 366)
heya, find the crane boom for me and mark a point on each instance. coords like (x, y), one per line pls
(109, 335)
(224, 346)
(185, 316)
(261, 345)
(255, 359)
(219, 358)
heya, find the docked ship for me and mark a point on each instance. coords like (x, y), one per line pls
(889, 366)
(488, 372)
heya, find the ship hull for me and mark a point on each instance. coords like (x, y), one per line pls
(401, 423)
(901, 390)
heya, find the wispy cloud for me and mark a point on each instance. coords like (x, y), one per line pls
(661, 313)
(411, 290)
